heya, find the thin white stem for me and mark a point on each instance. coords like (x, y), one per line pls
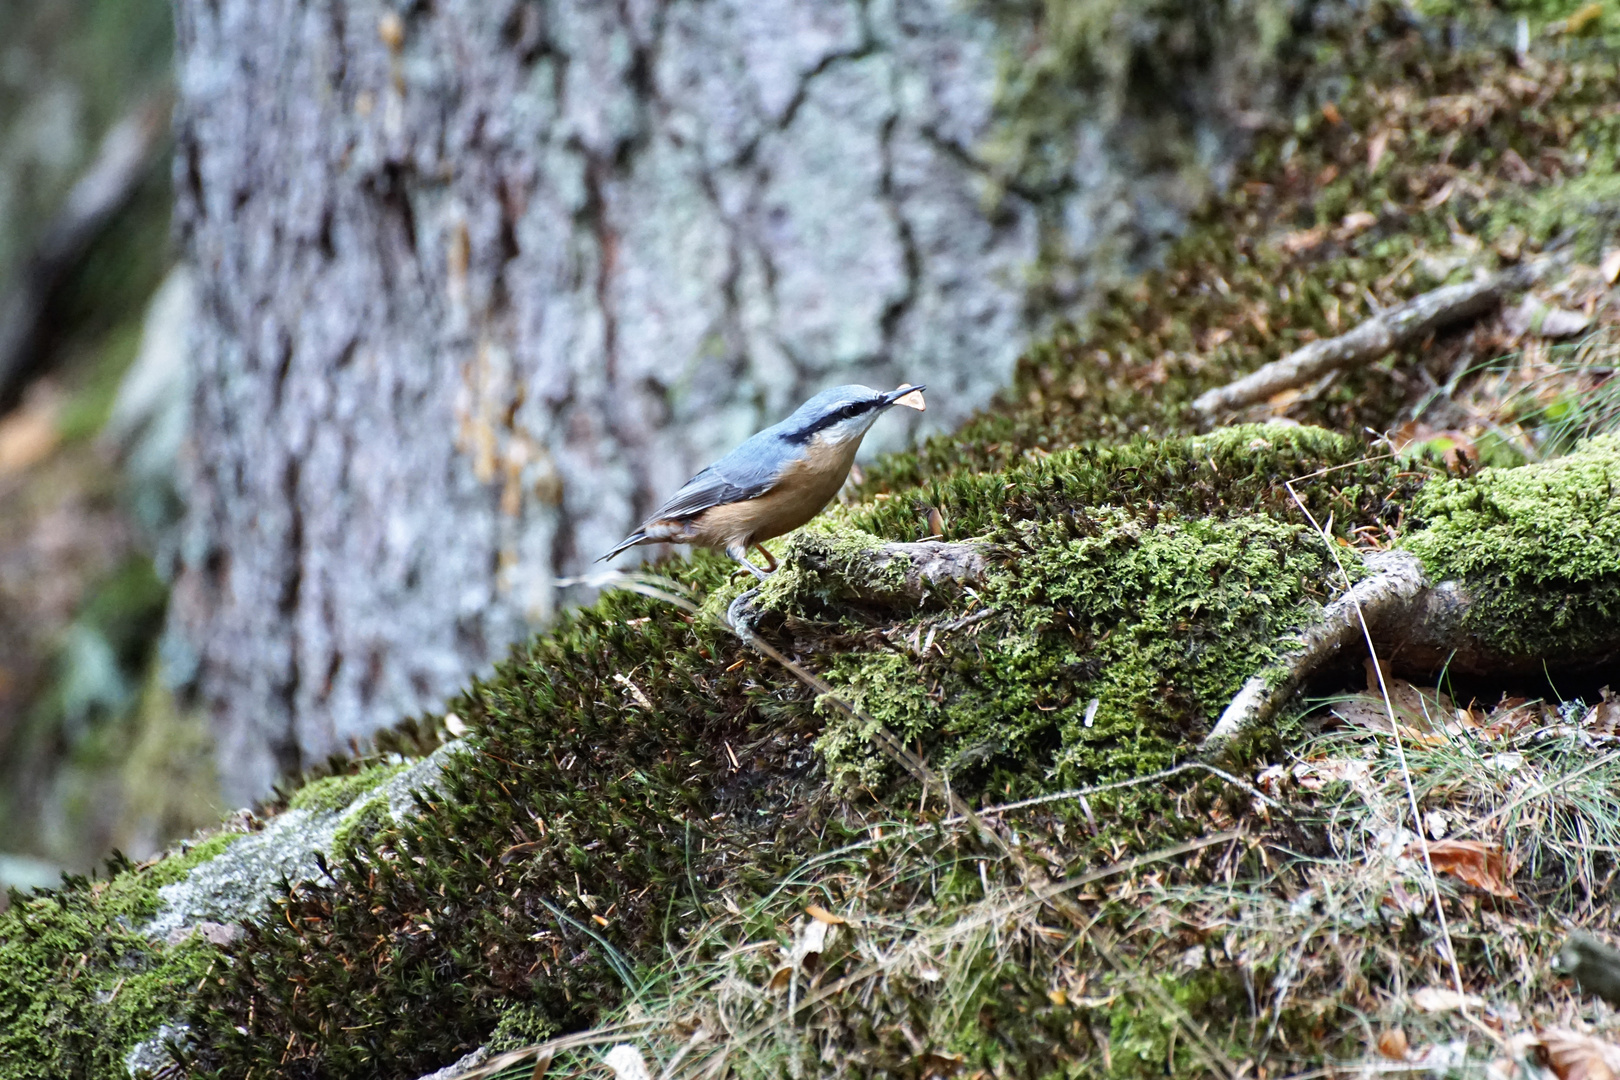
(1400, 747)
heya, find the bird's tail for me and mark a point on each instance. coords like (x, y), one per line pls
(630, 541)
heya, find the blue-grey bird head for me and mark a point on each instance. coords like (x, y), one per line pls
(840, 414)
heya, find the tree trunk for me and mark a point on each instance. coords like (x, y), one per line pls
(481, 281)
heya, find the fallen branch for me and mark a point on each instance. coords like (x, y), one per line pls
(126, 156)
(1372, 339)
(1415, 625)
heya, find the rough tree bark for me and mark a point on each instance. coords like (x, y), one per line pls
(479, 281)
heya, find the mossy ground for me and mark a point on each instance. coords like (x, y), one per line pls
(82, 983)
(649, 801)
(1537, 546)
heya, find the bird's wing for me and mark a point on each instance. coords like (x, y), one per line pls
(739, 475)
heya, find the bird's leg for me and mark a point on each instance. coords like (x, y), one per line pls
(740, 553)
(770, 560)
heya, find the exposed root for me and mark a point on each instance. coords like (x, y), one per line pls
(1412, 624)
(1386, 331)
(1397, 582)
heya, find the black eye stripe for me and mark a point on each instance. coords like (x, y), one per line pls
(828, 419)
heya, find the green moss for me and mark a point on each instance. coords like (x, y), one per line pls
(1537, 546)
(1556, 522)
(175, 867)
(1600, 19)
(1159, 624)
(521, 1024)
(81, 984)
(363, 822)
(336, 792)
(1582, 212)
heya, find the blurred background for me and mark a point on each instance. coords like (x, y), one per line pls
(94, 753)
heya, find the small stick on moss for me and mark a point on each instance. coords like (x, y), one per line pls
(1397, 581)
(1385, 332)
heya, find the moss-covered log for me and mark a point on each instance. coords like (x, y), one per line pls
(1511, 572)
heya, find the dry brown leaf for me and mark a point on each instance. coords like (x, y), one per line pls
(1455, 447)
(1574, 1056)
(1473, 862)
(822, 915)
(1510, 717)
(1283, 400)
(1363, 711)
(1441, 197)
(1297, 243)
(1392, 1044)
(520, 849)
(939, 1063)
(1604, 717)
(1420, 713)
(1533, 317)
(1316, 775)
(1354, 224)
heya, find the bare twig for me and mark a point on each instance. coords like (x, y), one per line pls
(123, 160)
(1384, 332)
(1135, 781)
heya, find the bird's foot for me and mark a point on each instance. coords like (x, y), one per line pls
(770, 560)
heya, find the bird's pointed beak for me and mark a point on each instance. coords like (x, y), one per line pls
(907, 395)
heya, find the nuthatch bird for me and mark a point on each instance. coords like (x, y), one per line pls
(774, 482)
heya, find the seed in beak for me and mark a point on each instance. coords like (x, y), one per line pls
(913, 400)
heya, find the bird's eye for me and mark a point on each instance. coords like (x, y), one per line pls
(851, 411)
